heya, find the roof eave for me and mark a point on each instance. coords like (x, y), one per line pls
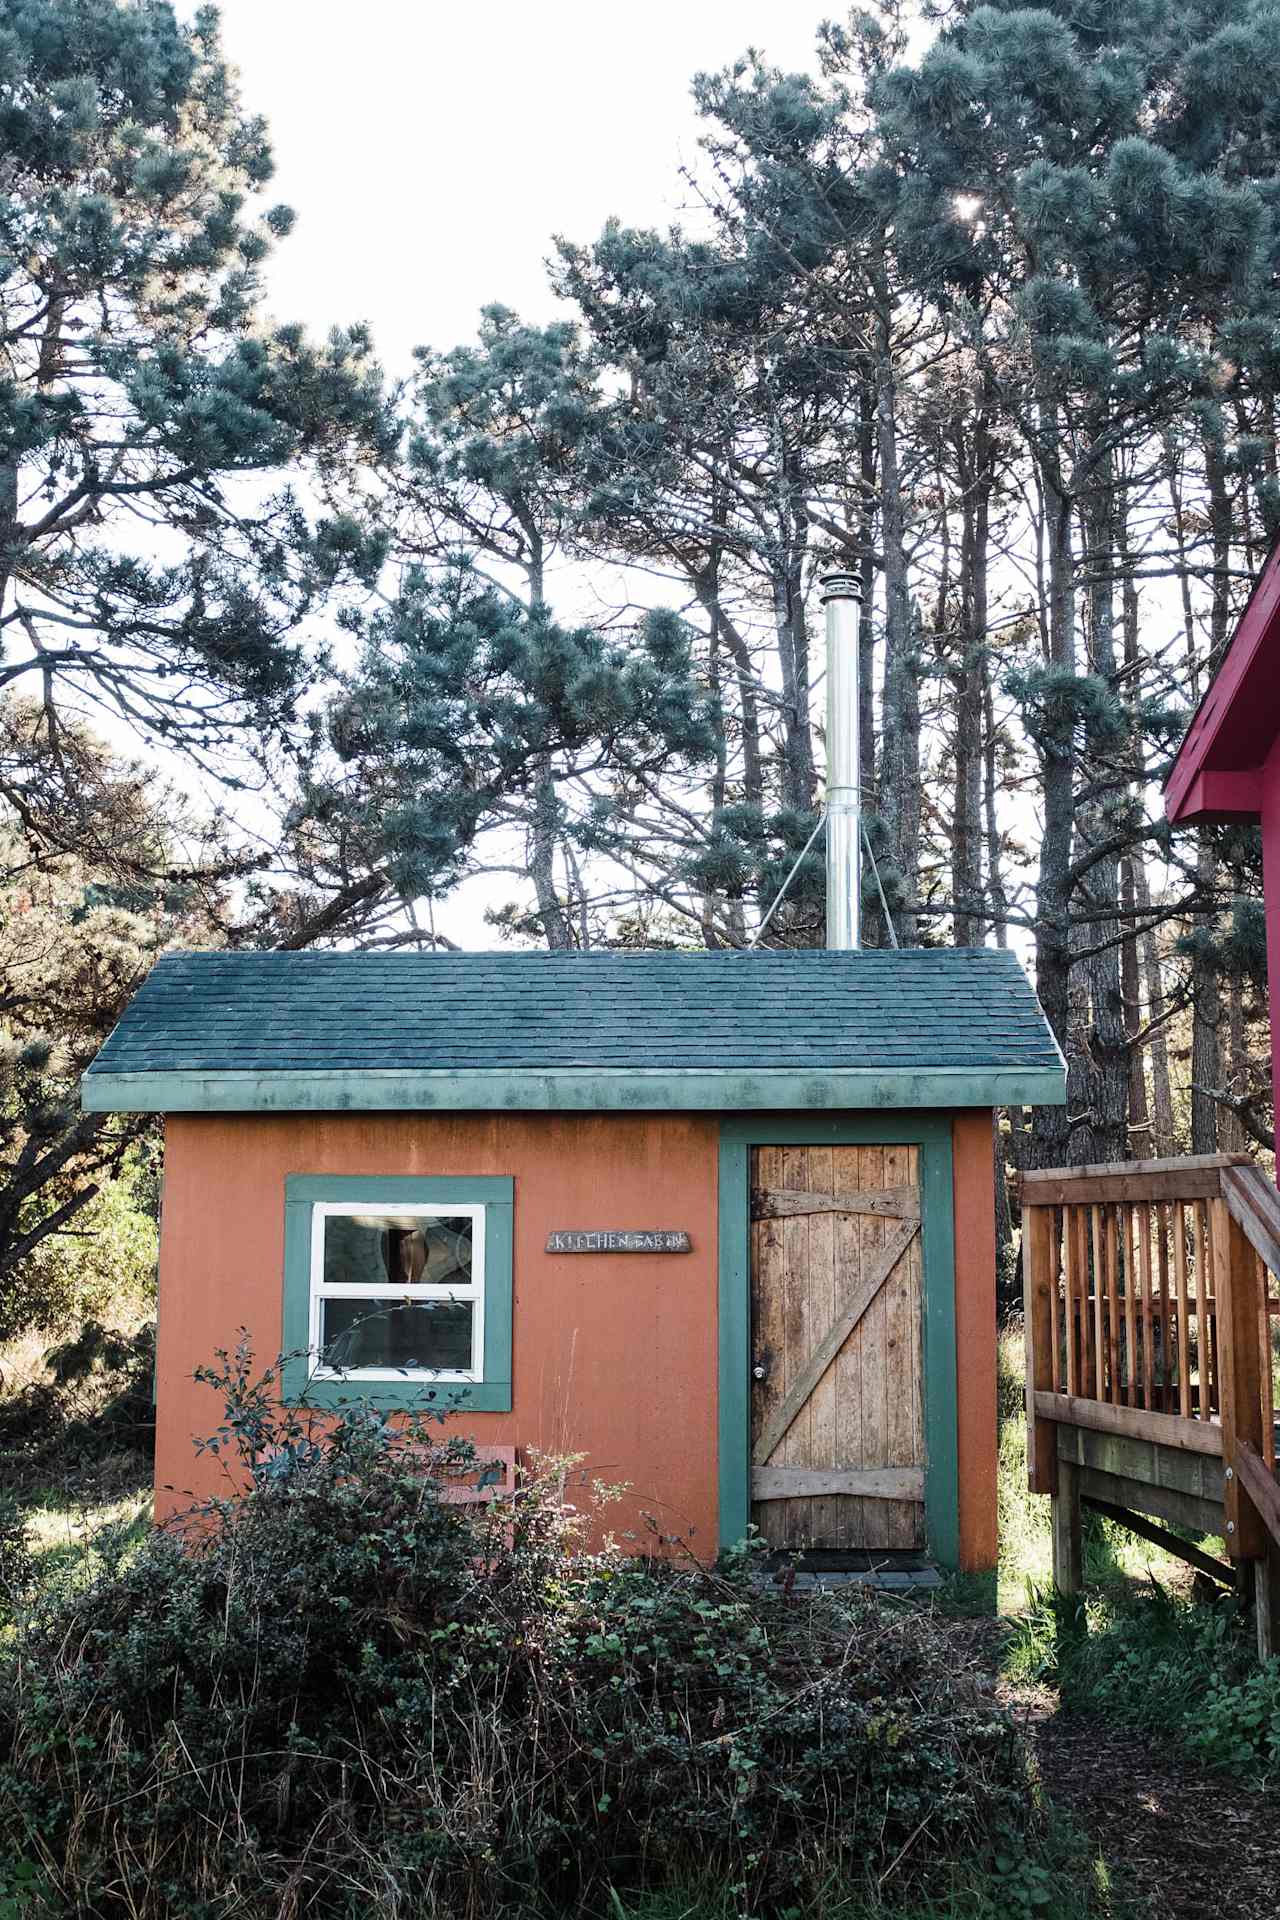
(1217, 799)
(569, 1091)
(1208, 731)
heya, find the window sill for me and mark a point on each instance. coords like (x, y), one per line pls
(404, 1396)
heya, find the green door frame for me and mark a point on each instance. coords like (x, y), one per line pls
(932, 1134)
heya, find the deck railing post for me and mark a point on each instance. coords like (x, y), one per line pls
(1111, 1428)
(1039, 1274)
(1235, 1276)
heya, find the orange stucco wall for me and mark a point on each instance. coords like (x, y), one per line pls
(615, 1357)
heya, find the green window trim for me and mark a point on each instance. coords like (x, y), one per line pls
(932, 1135)
(496, 1193)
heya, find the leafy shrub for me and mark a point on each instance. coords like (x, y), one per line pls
(17, 1567)
(99, 1396)
(1163, 1664)
(341, 1695)
(23, 1891)
(104, 1264)
(1239, 1721)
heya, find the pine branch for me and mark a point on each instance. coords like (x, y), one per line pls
(1245, 1107)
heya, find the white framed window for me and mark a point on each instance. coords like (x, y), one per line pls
(397, 1290)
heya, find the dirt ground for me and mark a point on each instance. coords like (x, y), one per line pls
(1180, 1842)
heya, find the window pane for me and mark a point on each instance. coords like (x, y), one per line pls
(415, 1334)
(374, 1248)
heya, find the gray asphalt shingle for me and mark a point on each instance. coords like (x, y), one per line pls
(344, 1013)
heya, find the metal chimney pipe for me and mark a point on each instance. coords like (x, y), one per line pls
(842, 598)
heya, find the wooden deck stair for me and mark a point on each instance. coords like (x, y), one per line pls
(1152, 1294)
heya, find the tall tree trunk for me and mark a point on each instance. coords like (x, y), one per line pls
(900, 794)
(1051, 1130)
(708, 593)
(544, 834)
(1206, 1021)
(799, 775)
(1140, 1124)
(706, 582)
(969, 681)
(997, 899)
(1104, 1066)
(1206, 1002)
(544, 826)
(1231, 1132)
(1163, 1139)
(1140, 1143)
(867, 575)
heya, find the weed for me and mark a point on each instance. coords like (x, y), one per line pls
(23, 1891)
(1157, 1661)
(1058, 1881)
(337, 1691)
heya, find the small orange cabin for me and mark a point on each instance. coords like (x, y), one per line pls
(721, 1223)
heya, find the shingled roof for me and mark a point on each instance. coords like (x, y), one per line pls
(289, 1031)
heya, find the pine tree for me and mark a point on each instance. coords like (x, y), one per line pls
(1049, 199)
(102, 867)
(147, 569)
(464, 711)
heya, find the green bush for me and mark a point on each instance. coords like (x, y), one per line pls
(100, 1397)
(105, 1264)
(1163, 1664)
(340, 1695)
(17, 1566)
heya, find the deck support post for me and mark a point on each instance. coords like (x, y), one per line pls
(1266, 1602)
(1068, 1541)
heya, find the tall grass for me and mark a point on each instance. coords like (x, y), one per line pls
(1114, 1558)
(1144, 1647)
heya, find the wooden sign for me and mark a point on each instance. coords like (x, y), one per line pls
(617, 1240)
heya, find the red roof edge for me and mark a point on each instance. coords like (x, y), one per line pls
(1192, 791)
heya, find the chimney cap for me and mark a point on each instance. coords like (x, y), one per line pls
(840, 585)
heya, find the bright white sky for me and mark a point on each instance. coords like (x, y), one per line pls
(430, 148)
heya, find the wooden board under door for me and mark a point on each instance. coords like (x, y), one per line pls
(860, 1428)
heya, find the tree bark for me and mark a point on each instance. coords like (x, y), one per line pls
(1140, 1144)
(544, 834)
(1051, 1131)
(1206, 1003)
(1104, 1067)
(900, 794)
(997, 899)
(1162, 1128)
(1140, 1123)
(867, 570)
(969, 682)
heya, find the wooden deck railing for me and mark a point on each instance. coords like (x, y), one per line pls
(1152, 1299)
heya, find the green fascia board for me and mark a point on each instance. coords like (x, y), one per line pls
(932, 1134)
(626, 1090)
(496, 1193)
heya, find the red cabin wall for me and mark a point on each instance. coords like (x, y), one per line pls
(614, 1356)
(1270, 813)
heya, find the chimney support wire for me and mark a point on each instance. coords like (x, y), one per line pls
(842, 599)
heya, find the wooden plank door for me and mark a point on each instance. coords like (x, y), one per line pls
(837, 1429)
